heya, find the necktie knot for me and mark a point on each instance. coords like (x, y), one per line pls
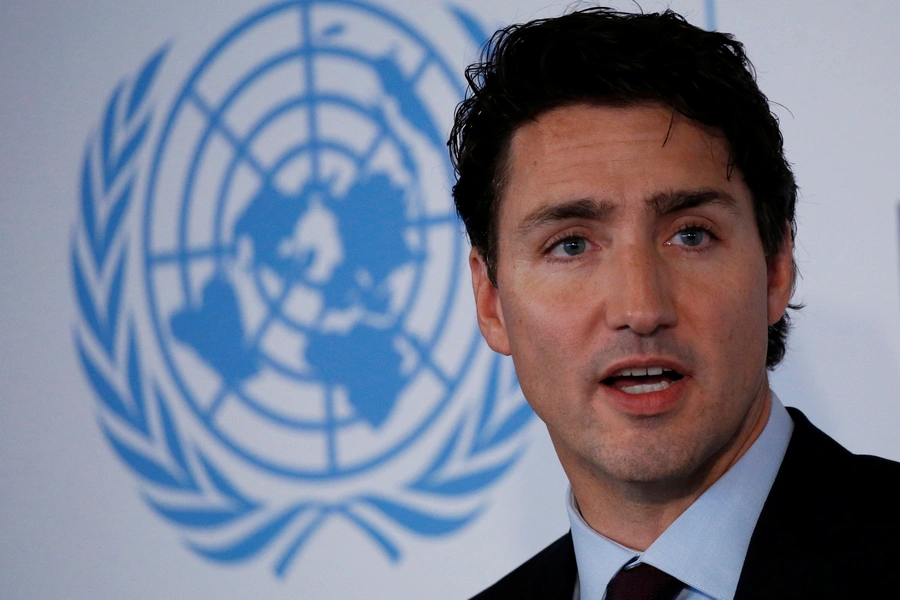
(643, 582)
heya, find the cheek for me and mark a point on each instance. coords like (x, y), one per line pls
(546, 333)
(730, 312)
(549, 316)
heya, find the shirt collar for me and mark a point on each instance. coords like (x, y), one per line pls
(706, 545)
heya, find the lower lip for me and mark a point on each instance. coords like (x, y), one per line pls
(645, 405)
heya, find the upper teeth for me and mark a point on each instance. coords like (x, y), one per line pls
(641, 371)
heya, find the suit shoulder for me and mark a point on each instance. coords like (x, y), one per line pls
(829, 516)
(876, 468)
(872, 483)
(549, 574)
(816, 465)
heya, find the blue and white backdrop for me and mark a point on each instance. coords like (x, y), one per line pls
(239, 356)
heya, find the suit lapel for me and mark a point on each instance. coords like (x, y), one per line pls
(788, 553)
(556, 574)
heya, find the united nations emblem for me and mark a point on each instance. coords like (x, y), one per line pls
(279, 330)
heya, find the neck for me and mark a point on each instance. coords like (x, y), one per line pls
(635, 514)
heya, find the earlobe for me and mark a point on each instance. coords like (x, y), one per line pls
(781, 278)
(487, 304)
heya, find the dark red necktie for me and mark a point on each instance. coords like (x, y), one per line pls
(643, 582)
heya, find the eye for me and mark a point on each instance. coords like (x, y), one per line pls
(691, 237)
(570, 246)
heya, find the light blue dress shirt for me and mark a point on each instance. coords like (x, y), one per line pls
(705, 546)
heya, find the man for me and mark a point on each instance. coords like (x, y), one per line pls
(623, 183)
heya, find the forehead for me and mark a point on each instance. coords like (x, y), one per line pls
(613, 154)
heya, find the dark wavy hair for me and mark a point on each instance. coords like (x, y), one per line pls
(605, 57)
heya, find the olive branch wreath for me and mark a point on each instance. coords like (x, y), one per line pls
(179, 481)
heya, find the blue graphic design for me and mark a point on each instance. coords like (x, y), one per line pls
(347, 252)
(305, 284)
(711, 15)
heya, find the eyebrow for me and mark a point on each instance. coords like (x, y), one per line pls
(591, 209)
(581, 208)
(667, 203)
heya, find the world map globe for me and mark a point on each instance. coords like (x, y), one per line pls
(305, 271)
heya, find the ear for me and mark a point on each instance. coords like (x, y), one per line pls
(487, 304)
(781, 278)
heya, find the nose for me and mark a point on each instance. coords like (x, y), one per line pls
(640, 297)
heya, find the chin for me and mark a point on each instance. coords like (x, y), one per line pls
(657, 461)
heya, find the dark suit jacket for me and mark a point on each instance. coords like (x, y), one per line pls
(830, 528)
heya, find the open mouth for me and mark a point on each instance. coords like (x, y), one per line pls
(643, 380)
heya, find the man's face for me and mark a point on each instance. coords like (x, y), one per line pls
(632, 292)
